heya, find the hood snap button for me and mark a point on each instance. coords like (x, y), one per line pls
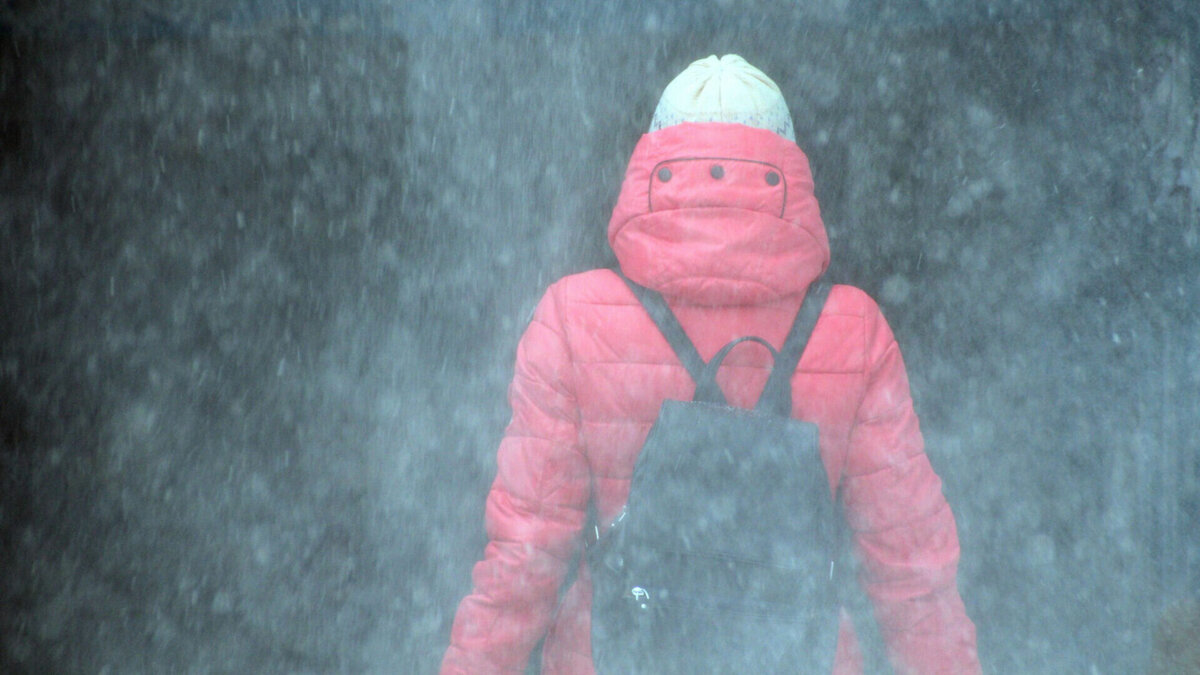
(772, 178)
(664, 174)
(717, 172)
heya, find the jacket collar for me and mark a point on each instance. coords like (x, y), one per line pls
(719, 214)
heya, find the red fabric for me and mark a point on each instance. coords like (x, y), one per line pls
(734, 256)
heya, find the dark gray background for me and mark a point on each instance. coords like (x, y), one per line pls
(264, 267)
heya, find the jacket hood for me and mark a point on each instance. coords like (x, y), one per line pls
(719, 214)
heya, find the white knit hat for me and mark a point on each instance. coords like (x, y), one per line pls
(725, 89)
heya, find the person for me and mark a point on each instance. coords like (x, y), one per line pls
(717, 214)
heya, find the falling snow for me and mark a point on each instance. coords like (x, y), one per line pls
(264, 266)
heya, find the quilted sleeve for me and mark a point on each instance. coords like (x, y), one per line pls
(903, 528)
(535, 510)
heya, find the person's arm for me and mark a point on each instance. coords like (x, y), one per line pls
(903, 528)
(535, 510)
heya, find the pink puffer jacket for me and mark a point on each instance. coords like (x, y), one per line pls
(721, 219)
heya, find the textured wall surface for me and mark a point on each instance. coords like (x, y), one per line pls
(264, 266)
